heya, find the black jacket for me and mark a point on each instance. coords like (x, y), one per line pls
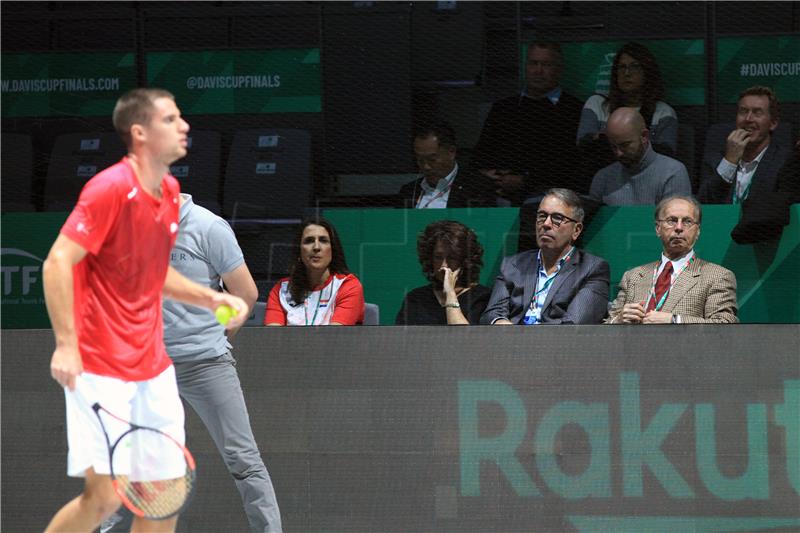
(469, 189)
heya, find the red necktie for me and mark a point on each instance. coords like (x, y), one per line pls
(662, 286)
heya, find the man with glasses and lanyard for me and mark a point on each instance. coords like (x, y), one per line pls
(556, 283)
(680, 288)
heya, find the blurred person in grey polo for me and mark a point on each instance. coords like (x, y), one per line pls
(206, 252)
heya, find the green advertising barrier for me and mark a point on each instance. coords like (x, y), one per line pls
(65, 84)
(380, 246)
(773, 61)
(240, 81)
(27, 238)
(587, 68)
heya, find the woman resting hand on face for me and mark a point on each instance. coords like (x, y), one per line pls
(320, 290)
(451, 258)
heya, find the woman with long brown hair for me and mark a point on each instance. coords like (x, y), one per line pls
(635, 82)
(320, 290)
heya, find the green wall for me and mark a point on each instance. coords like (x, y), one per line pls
(380, 245)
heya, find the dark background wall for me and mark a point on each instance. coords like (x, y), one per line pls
(384, 64)
(375, 429)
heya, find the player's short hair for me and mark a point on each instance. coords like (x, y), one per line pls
(760, 90)
(136, 107)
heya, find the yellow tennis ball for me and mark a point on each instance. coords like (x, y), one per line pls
(224, 313)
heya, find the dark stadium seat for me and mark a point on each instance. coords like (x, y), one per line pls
(200, 170)
(372, 314)
(686, 152)
(256, 317)
(75, 158)
(268, 175)
(17, 172)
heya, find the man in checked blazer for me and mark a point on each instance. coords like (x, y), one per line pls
(556, 283)
(698, 291)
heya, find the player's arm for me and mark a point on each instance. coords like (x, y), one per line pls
(66, 364)
(239, 282)
(179, 287)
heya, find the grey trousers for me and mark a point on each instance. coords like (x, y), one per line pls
(213, 390)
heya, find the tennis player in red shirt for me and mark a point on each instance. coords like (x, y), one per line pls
(103, 282)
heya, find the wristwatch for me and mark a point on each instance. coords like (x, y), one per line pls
(454, 306)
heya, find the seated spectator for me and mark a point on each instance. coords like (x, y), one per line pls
(750, 158)
(320, 290)
(527, 144)
(556, 284)
(443, 183)
(451, 259)
(635, 82)
(679, 288)
(765, 215)
(640, 175)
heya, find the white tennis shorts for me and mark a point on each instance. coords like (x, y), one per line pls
(154, 403)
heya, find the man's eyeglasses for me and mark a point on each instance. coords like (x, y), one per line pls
(671, 222)
(556, 218)
(633, 68)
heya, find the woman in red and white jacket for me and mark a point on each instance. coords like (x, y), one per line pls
(320, 290)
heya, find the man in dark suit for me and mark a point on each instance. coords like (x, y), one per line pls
(556, 283)
(443, 183)
(527, 144)
(747, 165)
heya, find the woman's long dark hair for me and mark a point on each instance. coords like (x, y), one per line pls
(459, 242)
(299, 286)
(652, 89)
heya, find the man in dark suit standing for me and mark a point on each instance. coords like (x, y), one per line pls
(749, 162)
(556, 283)
(527, 144)
(443, 183)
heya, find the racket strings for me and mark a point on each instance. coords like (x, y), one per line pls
(152, 474)
(157, 499)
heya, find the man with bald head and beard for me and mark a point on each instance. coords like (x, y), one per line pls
(640, 175)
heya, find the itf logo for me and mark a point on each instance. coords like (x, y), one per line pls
(21, 276)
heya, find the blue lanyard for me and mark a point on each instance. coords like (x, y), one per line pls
(530, 315)
(739, 199)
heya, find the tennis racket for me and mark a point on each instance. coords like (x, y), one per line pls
(152, 473)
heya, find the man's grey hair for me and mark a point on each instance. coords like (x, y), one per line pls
(691, 199)
(569, 197)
